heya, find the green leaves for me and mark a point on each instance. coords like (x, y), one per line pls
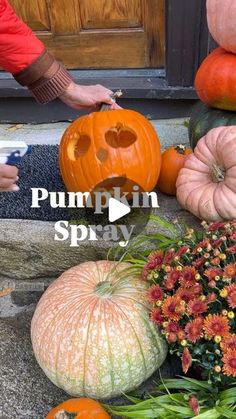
(213, 405)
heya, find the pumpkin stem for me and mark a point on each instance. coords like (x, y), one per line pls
(217, 173)
(180, 148)
(104, 289)
(115, 95)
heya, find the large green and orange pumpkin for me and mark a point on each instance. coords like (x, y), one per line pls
(221, 17)
(105, 148)
(91, 331)
(215, 81)
(203, 119)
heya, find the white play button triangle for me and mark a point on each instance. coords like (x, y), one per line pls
(117, 210)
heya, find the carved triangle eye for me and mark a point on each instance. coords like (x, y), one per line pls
(120, 137)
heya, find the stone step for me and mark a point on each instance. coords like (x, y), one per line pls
(170, 131)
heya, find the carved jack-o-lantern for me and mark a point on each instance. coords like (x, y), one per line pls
(110, 146)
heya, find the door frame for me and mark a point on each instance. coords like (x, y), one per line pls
(158, 93)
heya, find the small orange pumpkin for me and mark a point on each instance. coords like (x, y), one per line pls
(173, 160)
(108, 147)
(81, 408)
(215, 81)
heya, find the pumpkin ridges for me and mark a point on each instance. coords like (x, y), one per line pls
(221, 23)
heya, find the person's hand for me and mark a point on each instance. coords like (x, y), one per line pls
(8, 178)
(88, 97)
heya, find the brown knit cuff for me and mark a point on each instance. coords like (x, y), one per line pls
(46, 78)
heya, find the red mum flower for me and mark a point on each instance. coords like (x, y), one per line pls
(232, 250)
(188, 276)
(211, 298)
(229, 360)
(186, 360)
(182, 250)
(201, 245)
(155, 260)
(230, 270)
(169, 256)
(145, 273)
(194, 330)
(198, 263)
(211, 273)
(216, 226)
(229, 342)
(174, 275)
(196, 307)
(194, 405)
(216, 325)
(233, 237)
(173, 327)
(231, 298)
(156, 316)
(185, 294)
(171, 308)
(155, 293)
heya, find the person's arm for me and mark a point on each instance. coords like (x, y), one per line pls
(25, 56)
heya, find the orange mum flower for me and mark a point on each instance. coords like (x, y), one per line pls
(229, 342)
(229, 360)
(170, 308)
(211, 273)
(173, 327)
(186, 360)
(230, 270)
(231, 298)
(196, 307)
(194, 330)
(216, 325)
(155, 293)
(188, 277)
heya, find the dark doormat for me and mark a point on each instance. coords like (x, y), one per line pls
(40, 169)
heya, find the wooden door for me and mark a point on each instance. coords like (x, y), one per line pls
(99, 33)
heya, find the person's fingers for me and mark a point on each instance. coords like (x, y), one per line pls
(6, 183)
(12, 188)
(9, 172)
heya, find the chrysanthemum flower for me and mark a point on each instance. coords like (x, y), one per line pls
(230, 270)
(169, 256)
(196, 307)
(174, 275)
(231, 297)
(211, 273)
(186, 360)
(188, 276)
(198, 263)
(155, 260)
(182, 250)
(155, 293)
(229, 360)
(229, 342)
(211, 298)
(157, 316)
(194, 404)
(194, 330)
(216, 325)
(185, 294)
(232, 250)
(170, 308)
(173, 327)
(216, 226)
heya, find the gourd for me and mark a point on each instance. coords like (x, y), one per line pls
(91, 332)
(108, 149)
(221, 17)
(172, 161)
(203, 119)
(78, 409)
(215, 81)
(206, 185)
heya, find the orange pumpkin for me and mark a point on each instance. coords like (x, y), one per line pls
(81, 408)
(216, 80)
(111, 145)
(221, 17)
(172, 161)
(206, 186)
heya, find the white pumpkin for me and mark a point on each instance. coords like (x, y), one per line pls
(91, 331)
